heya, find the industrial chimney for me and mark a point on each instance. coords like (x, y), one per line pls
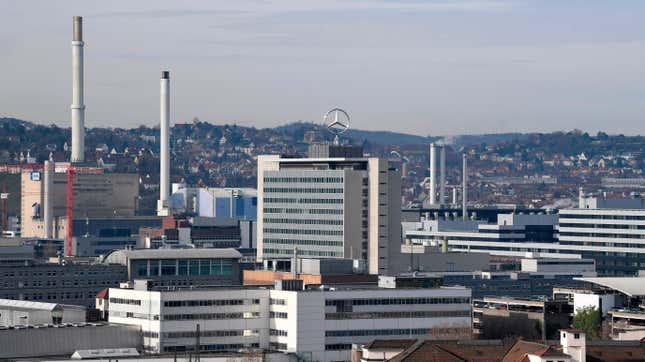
(433, 174)
(78, 108)
(442, 175)
(464, 185)
(163, 208)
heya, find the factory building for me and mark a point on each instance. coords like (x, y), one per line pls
(229, 202)
(334, 204)
(106, 195)
(318, 324)
(23, 313)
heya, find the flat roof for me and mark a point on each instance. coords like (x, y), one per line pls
(29, 305)
(202, 253)
(631, 286)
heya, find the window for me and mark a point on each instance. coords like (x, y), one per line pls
(576, 335)
(194, 267)
(169, 267)
(183, 267)
(154, 267)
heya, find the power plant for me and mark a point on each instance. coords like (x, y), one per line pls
(163, 208)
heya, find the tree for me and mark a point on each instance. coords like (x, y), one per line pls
(587, 319)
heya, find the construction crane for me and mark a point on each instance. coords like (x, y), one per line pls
(71, 171)
(3, 197)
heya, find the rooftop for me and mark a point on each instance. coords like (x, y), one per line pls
(631, 286)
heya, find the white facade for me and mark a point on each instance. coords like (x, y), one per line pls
(329, 208)
(317, 325)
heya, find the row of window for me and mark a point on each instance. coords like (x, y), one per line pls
(209, 316)
(278, 315)
(303, 221)
(215, 333)
(278, 332)
(121, 314)
(603, 226)
(338, 346)
(293, 200)
(125, 301)
(394, 332)
(276, 301)
(304, 179)
(605, 235)
(277, 346)
(396, 301)
(212, 347)
(305, 190)
(169, 267)
(303, 231)
(281, 210)
(303, 242)
(209, 302)
(391, 315)
(331, 254)
(602, 217)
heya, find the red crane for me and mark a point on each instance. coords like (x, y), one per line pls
(71, 171)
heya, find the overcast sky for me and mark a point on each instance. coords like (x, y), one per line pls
(423, 67)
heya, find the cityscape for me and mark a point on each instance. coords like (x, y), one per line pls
(338, 238)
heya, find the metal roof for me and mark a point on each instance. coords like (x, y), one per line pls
(205, 253)
(631, 286)
(106, 352)
(26, 305)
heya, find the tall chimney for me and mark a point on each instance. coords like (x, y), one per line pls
(464, 191)
(442, 175)
(164, 151)
(433, 174)
(48, 204)
(78, 107)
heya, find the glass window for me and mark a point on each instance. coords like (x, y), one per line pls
(227, 267)
(216, 267)
(142, 268)
(183, 267)
(204, 266)
(154, 267)
(169, 267)
(194, 267)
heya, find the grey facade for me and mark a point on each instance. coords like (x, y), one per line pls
(64, 284)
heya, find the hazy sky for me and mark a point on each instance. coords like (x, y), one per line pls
(424, 67)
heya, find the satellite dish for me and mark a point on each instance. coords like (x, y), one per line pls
(337, 121)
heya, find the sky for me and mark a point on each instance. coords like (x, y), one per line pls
(442, 67)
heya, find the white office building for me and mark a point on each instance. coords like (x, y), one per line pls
(336, 204)
(609, 231)
(317, 325)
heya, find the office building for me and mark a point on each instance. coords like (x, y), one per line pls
(499, 318)
(315, 324)
(611, 231)
(346, 206)
(68, 283)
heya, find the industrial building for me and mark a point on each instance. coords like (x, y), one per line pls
(316, 324)
(105, 195)
(47, 341)
(226, 202)
(23, 313)
(346, 206)
(68, 283)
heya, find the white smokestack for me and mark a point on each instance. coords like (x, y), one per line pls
(464, 191)
(48, 204)
(454, 195)
(164, 151)
(433, 174)
(442, 175)
(78, 107)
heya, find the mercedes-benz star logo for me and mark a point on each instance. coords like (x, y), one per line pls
(337, 121)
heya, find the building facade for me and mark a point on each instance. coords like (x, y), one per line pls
(317, 325)
(340, 207)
